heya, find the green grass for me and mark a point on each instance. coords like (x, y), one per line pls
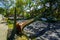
(10, 26)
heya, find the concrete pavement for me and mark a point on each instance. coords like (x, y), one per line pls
(3, 31)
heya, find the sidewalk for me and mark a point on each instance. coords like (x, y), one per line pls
(3, 31)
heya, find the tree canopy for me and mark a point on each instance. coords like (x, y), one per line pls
(32, 8)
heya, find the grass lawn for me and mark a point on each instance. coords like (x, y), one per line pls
(10, 26)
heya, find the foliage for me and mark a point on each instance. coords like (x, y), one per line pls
(2, 10)
(23, 37)
(7, 4)
(35, 7)
(10, 26)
